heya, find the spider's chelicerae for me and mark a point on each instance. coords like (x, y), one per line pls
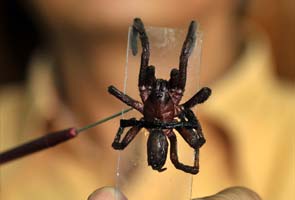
(160, 107)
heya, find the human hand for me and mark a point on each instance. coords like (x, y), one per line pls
(107, 193)
(233, 193)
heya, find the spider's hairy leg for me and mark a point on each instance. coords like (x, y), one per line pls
(174, 76)
(145, 55)
(150, 78)
(130, 135)
(174, 157)
(200, 97)
(125, 98)
(133, 41)
(175, 92)
(197, 159)
(187, 49)
(194, 137)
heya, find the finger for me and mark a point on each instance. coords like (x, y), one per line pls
(107, 193)
(233, 193)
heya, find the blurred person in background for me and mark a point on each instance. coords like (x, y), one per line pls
(247, 121)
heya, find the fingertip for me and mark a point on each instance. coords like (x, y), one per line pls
(107, 193)
(239, 192)
(233, 193)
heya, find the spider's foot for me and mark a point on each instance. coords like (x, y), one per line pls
(191, 170)
(203, 94)
(117, 146)
(202, 141)
(187, 169)
(192, 27)
(162, 169)
(194, 170)
(138, 25)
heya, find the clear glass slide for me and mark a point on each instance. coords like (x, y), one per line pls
(134, 177)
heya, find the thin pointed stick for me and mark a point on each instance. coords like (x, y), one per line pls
(50, 140)
(103, 120)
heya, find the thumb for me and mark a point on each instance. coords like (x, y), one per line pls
(233, 193)
(107, 193)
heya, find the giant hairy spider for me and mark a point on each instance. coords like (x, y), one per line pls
(160, 108)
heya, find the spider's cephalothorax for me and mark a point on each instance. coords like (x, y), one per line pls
(160, 107)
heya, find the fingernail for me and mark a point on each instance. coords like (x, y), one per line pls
(107, 193)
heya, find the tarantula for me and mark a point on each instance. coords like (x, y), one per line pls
(160, 107)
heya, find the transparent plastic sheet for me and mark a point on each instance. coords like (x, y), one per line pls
(134, 177)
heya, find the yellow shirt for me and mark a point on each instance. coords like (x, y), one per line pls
(257, 111)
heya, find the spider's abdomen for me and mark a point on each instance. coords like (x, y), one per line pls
(157, 147)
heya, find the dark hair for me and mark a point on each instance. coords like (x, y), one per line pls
(19, 36)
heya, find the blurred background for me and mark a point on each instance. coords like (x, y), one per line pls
(58, 57)
(20, 35)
